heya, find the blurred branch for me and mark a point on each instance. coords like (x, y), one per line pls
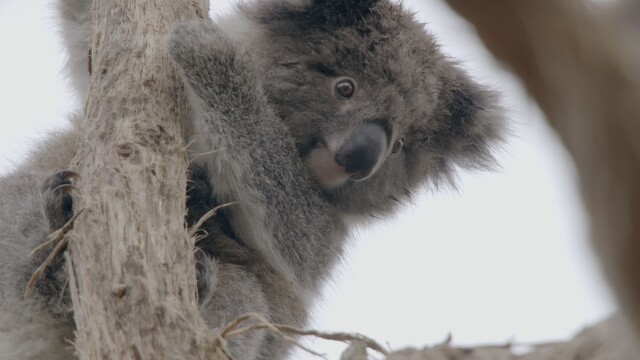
(608, 340)
(580, 68)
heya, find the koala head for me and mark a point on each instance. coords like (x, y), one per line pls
(375, 109)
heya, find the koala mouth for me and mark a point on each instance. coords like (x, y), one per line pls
(324, 168)
(355, 157)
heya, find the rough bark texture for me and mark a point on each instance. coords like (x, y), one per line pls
(581, 67)
(132, 272)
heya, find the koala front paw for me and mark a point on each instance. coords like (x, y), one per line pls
(58, 203)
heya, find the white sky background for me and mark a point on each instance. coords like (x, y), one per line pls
(503, 258)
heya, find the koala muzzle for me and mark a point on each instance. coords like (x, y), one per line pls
(363, 151)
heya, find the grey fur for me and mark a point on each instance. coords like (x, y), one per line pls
(261, 82)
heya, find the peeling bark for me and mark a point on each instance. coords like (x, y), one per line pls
(131, 266)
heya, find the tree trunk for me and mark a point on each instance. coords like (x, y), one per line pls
(131, 265)
(582, 70)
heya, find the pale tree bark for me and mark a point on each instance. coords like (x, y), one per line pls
(131, 266)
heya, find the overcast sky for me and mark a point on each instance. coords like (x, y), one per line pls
(505, 257)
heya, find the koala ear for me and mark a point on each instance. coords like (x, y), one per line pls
(311, 14)
(466, 129)
(340, 13)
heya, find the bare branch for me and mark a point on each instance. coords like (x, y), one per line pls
(132, 272)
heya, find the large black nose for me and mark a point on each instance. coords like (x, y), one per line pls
(362, 151)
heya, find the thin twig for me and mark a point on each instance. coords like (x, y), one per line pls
(40, 270)
(195, 157)
(56, 235)
(194, 229)
(233, 329)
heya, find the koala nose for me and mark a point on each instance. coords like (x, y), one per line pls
(362, 151)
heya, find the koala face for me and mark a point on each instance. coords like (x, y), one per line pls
(374, 107)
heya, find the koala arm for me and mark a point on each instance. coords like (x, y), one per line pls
(39, 326)
(278, 210)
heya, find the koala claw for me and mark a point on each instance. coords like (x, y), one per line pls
(68, 174)
(65, 188)
(57, 196)
(202, 274)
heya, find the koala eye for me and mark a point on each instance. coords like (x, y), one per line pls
(397, 146)
(345, 88)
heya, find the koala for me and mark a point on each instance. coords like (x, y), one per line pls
(324, 114)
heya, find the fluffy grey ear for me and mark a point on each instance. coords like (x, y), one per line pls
(466, 130)
(313, 14)
(339, 13)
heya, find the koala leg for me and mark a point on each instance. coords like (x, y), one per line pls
(235, 279)
(39, 326)
(226, 289)
(58, 210)
(230, 291)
